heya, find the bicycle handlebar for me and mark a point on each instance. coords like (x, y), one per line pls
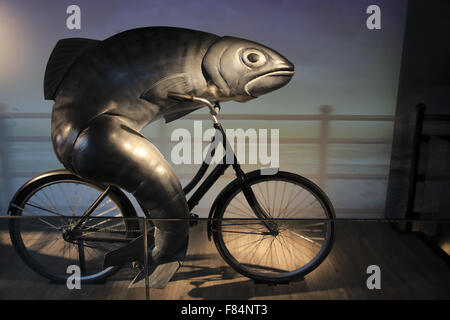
(186, 97)
(179, 96)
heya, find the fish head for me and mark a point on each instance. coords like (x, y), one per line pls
(243, 69)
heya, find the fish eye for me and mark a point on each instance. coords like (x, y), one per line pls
(253, 58)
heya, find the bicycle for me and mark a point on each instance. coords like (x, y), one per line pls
(266, 239)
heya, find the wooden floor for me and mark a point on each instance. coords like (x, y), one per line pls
(409, 270)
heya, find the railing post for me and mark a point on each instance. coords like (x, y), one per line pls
(323, 145)
(5, 170)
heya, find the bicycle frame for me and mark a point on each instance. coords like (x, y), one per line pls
(217, 172)
(210, 179)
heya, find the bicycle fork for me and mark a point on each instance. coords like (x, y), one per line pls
(247, 190)
(254, 204)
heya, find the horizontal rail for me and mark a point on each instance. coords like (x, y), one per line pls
(281, 141)
(323, 141)
(268, 117)
(25, 115)
(295, 117)
(331, 176)
(428, 219)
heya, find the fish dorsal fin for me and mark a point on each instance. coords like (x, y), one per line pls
(61, 59)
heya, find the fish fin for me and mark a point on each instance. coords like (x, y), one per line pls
(159, 274)
(132, 251)
(157, 94)
(63, 56)
(176, 115)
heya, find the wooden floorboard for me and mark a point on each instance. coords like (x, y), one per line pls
(409, 270)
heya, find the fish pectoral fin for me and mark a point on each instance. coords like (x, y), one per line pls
(157, 94)
(176, 115)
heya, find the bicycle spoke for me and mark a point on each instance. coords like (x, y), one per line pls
(239, 238)
(42, 236)
(107, 211)
(304, 238)
(282, 199)
(293, 246)
(238, 214)
(265, 207)
(44, 209)
(291, 198)
(256, 227)
(241, 224)
(298, 200)
(79, 199)
(254, 249)
(292, 253)
(245, 205)
(274, 199)
(242, 232)
(54, 199)
(41, 219)
(67, 200)
(268, 196)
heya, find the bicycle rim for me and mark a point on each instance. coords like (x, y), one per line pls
(55, 205)
(301, 244)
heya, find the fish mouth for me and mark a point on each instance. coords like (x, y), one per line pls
(268, 82)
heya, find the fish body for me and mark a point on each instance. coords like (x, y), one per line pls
(130, 73)
(110, 76)
(106, 91)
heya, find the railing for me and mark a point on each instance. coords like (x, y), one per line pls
(323, 141)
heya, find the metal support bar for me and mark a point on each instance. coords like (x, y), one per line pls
(147, 284)
(5, 169)
(323, 145)
(413, 176)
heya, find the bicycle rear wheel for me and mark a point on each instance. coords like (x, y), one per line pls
(305, 231)
(50, 205)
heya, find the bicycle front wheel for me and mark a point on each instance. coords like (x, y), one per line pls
(48, 206)
(304, 229)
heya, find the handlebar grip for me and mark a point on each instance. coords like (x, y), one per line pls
(179, 96)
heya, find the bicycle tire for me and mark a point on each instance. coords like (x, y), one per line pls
(30, 188)
(233, 189)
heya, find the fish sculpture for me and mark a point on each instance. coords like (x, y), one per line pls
(105, 92)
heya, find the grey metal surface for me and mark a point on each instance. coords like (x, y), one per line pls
(106, 91)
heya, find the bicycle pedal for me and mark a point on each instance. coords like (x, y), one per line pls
(193, 219)
(136, 265)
